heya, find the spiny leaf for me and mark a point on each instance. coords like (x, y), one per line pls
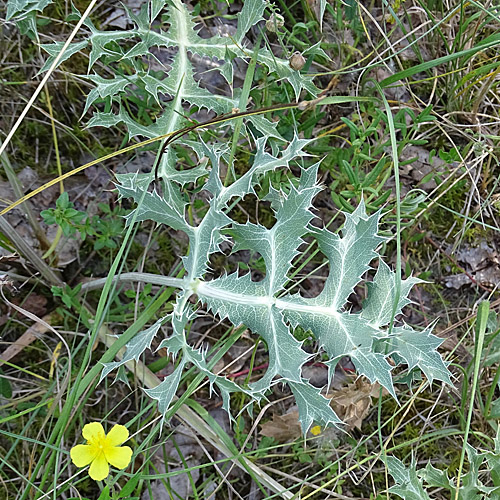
(23, 12)
(257, 304)
(102, 119)
(21, 8)
(184, 35)
(178, 346)
(155, 7)
(313, 406)
(104, 44)
(263, 162)
(165, 391)
(408, 485)
(245, 302)
(419, 349)
(409, 481)
(135, 348)
(53, 50)
(341, 333)
(205, 240)
(279, 245)
(178, 82)
(349, 256)
(226, 296)
(225, 386)
(377, 309)
(265, 307)
(435, 477)
(251, 13)
(154, 206)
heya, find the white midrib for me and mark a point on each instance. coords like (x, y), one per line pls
(269, 60)
(272, 244)
(205, 291)
(345, 246)
(183, 65)
(168, 40)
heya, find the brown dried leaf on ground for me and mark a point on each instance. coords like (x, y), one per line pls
(283, 428)
(353, 402)
(482, 263)
(13, 257)
(30, 335)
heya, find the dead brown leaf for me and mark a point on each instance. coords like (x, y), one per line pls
(481, 262)
(283, 428)
(30, 335)
(352, 403)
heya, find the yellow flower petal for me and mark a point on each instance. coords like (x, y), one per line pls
(118, 456)
(316, 430)
(82, 454)
(99, 468)
(117, 435)
(93, 431)
(102, 450)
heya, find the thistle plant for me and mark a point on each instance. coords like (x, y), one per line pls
(267, 307)
(271, 308)
(125, 53)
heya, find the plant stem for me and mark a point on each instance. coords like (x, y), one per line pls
(154, 279)
(481, 322)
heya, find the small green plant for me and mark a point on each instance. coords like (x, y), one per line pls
(105, 230)
(362, 161)
(68, 295)
(65, 216)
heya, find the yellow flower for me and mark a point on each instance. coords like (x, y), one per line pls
(316, 430)
(101, 450)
